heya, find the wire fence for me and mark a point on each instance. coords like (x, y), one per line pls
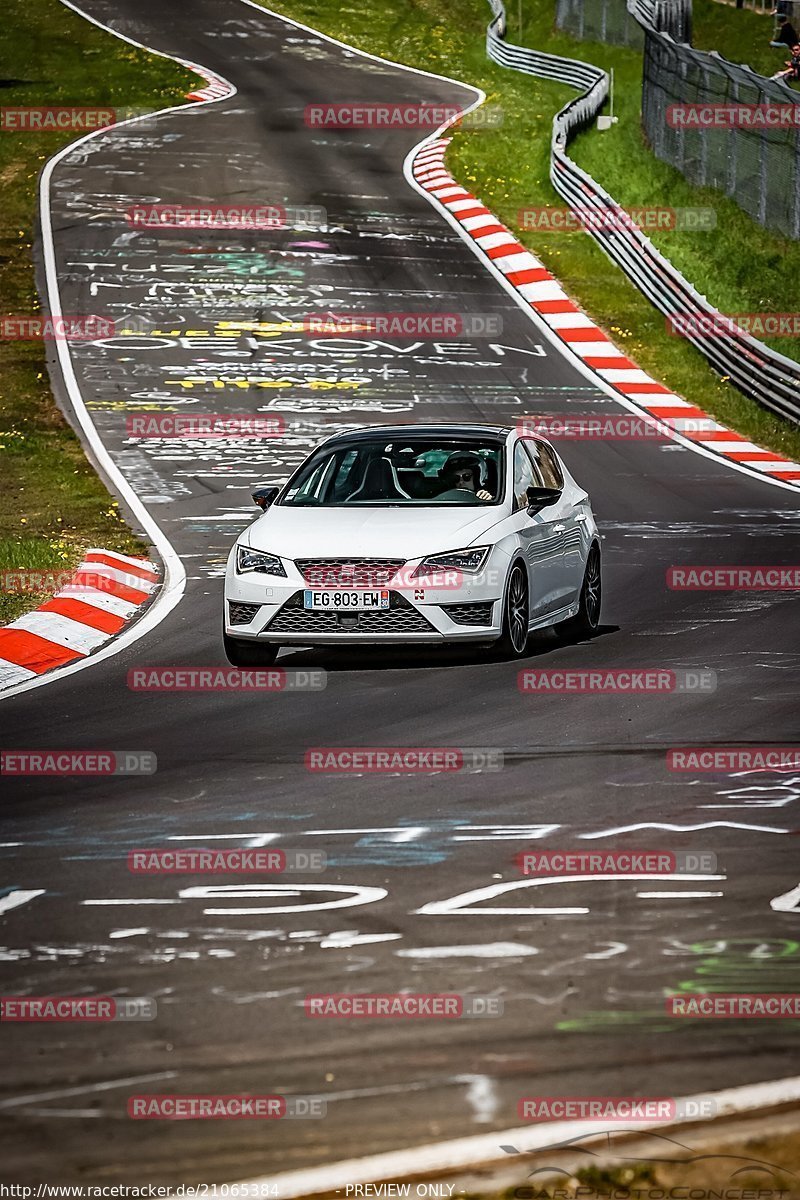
(607, 21)
(769, 377)
(724, 127)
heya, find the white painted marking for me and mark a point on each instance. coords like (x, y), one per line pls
(107, 1086)
(343, 940)
(352, 896)
(788, 902)
(126, 933)
(614, 948)
(252, 840)
(503, 833)
(489, 950)
(677, 895)
(18, 897)
(466, 901)
(481, 1097)
(679, 828)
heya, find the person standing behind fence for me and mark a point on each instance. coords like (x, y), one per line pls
(793, 63)
(786, 34)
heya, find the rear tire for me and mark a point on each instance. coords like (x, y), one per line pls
(513, 641)
(249, 654)
(587, 618)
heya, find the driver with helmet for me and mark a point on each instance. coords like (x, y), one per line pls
(462, 471)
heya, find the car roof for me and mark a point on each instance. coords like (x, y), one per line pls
(471, 432)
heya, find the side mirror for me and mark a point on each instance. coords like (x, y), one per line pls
(264, 496)
(541, 497)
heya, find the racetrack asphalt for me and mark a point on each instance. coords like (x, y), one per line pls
(583, 992)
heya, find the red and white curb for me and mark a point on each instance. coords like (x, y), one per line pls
(216, 87)
(545, 296)
(99, 601)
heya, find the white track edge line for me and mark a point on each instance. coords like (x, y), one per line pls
(485, 1148)
(174, 582)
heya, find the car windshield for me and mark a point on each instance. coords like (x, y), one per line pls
(416, 471)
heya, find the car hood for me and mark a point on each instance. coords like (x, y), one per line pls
(368, 532)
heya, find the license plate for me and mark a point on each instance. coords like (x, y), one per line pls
(350, 601)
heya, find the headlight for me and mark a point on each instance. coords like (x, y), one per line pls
(472, 561)
(258, 560)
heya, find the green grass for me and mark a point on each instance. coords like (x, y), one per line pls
(740, 267)
(53, 505)
(740, 35)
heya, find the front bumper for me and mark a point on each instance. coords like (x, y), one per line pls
(469, 612)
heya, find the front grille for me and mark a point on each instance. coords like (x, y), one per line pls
(349, 572)
(479, 613)
(242, 614)
(400, 617)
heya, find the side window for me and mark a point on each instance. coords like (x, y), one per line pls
(548, 465)
(525, 476)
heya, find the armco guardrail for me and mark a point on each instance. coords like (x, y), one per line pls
(755, 369)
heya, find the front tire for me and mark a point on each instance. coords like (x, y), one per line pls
(587, 618)
(249, 654)
(513, 641)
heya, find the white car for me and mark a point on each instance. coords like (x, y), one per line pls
(415, 534)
